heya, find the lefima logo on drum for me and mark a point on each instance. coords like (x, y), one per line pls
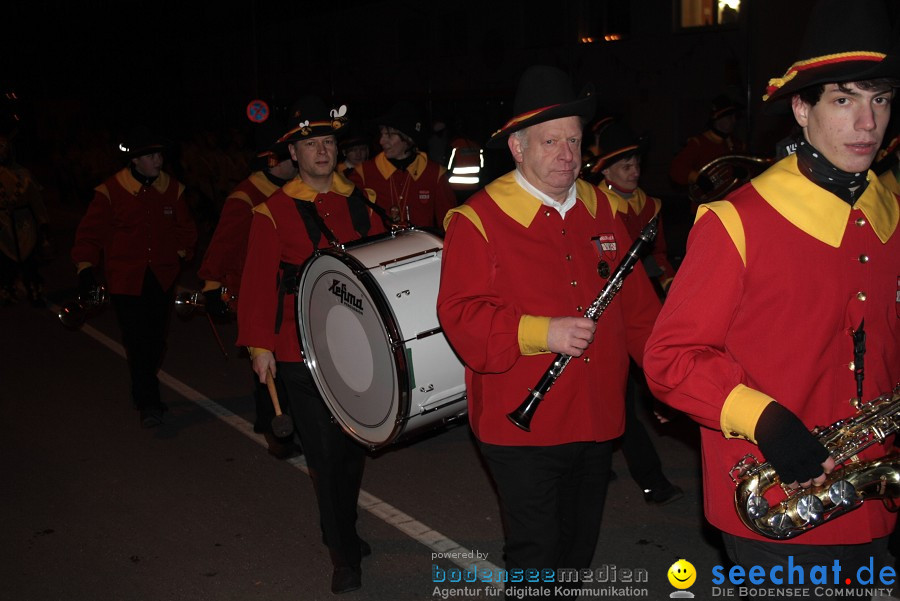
(339, 289)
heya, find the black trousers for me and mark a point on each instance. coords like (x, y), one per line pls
(335, 463)
(746, 552)
(637, 446)
(551, 501)
(144, 321)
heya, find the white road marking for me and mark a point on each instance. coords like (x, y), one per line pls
(406, 524)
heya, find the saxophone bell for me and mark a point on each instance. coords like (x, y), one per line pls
(845, 489)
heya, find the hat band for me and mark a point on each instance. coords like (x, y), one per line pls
(777, 83)
(524, 116)
(617, 152)
(307, 127)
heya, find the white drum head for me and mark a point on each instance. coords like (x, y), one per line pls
(345, 326)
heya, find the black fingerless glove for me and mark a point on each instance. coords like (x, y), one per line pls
(794, 452)
(215, 305)
(86, 281)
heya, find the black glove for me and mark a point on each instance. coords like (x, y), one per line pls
(215, 305)
(86, 282)
(794, 452)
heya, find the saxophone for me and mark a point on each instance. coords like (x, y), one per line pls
(852, 482)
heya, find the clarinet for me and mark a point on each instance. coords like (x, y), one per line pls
(522, 416)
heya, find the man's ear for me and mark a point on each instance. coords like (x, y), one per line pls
(801, 110)
(515, 147)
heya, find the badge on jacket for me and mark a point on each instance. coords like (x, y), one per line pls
(608, 251)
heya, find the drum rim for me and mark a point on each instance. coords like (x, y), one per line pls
(397, 350)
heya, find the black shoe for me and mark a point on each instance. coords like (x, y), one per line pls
(663, 495)
(612, 475)
(346, 579)
(364, 548)
(150, 418)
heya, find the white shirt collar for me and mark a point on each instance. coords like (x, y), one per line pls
(563, 207)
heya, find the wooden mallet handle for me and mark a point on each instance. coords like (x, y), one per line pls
(282, 425)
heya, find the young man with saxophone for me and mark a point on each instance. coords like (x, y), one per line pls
(787, 305)
(523, 260)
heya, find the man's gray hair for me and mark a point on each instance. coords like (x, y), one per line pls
(522, 135)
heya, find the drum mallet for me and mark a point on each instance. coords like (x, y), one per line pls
(282, 425)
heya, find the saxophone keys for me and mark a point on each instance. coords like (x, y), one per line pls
(780, 524)
(810, 509)
(757, 506)
(842, 493)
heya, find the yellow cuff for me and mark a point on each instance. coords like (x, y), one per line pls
(82, 265)
(256, 351)
(211, 285)
(533, 332)
(741, 411)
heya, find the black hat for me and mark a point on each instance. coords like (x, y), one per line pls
(310, 117)
(544, 93)
(267, 138)
(354, 136)
(617, 141)
(405, 118)
(723, 105)
(141, 140)
(844, 41)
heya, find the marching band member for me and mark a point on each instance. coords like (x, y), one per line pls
(789, 287)
(286, 230)
(223, 262)
(523, 260)
(412, 189)
(140, 226)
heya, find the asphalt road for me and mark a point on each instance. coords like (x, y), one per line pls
(94, 507)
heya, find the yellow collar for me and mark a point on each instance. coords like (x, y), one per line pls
(522, 206)
(127, 181)
(415, 169)
(620, 203)
(263, 183)
(299, 189)
(819, 213)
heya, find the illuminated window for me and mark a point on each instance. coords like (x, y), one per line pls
(709, 13)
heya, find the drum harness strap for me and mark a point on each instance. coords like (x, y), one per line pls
(289, 277)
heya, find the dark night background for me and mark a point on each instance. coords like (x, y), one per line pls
(82, 67)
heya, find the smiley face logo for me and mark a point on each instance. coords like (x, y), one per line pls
(682, 574)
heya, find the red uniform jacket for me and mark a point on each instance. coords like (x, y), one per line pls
(635, 212)
(509, 264)
(773, 284)
(699, 151)
(135, 227)
(422, 190)
(278, 234)
(224, 260)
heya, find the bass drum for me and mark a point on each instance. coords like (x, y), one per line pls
(368, 324)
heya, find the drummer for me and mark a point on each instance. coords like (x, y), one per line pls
(310, 212)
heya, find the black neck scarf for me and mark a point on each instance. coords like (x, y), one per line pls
(144, 180)
(402, 164)
(819, 170)
(275, 180)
